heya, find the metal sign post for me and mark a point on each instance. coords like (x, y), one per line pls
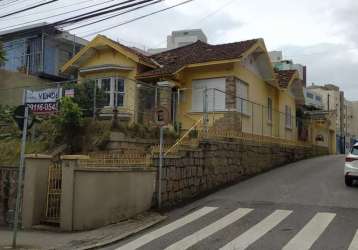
(160, 167)
(161, 118)
(20, 174)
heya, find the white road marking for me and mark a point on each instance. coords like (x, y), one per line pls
(257, 231)
(141, 241)
(305, 238)
(354, 243)
(209, 230)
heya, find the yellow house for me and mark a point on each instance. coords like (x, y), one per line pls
(235, 77)
(287, 103)
(194, 81)
(113, 67)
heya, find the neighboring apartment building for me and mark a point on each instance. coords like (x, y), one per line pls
(333, 100)
(39, 50)
(279, 63)
(313, 99)
(34, 55)
(355, 119)
(181, 38)
(348, 124)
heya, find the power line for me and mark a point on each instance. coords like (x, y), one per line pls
(61, 14)
(99, 12)
(94, 13)
(138, 18)
(116, 15)
(41, 12)
(13, 3)
(88, 15)
(29, 8)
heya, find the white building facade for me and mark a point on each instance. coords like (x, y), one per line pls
(181, 38)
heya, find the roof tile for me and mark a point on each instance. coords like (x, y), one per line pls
(198, 52)
(284, 77)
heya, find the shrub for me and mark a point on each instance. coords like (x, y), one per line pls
(69, 123)
(84, 95)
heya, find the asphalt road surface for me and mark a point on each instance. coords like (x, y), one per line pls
(304, 205)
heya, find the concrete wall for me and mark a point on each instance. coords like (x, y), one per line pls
(8, 180)
(35, 186)
(216, 164)
(94, 197)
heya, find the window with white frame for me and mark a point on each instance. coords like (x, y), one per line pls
(242, 96)
(119, 92)
(215, 92)
(269, 109)
(113, 89)
(288, 118)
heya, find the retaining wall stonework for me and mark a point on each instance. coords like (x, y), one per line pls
(220, 163)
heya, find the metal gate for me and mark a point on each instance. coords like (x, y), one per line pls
(53, 203)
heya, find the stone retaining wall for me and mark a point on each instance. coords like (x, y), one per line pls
(217, 164)
(8, 180)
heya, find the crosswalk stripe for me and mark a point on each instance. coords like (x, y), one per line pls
(141, 241)
(210, 229)
(257, 231)
(354, 243)
(305, 238)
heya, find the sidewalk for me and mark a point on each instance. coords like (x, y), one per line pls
(40, 239)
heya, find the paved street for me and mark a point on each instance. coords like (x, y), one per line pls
(304, 205)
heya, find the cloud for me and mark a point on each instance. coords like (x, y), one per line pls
(152, 31)
(321, 34)
(346, 21)
(328, 63)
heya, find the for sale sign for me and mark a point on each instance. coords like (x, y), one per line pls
(43, 101)
(43, 108)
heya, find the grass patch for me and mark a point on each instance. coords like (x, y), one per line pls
(10, 151)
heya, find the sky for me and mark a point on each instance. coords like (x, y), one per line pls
(321, 34)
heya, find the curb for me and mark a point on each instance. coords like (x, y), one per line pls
(124, 235)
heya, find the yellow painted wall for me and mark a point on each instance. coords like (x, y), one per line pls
(109, 56)
(328, 132)
(186, 117)
(286, 98)
(259, 91)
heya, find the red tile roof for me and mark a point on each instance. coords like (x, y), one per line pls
(284, 77)
(198, 52)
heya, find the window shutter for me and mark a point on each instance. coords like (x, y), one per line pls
(215, 93)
